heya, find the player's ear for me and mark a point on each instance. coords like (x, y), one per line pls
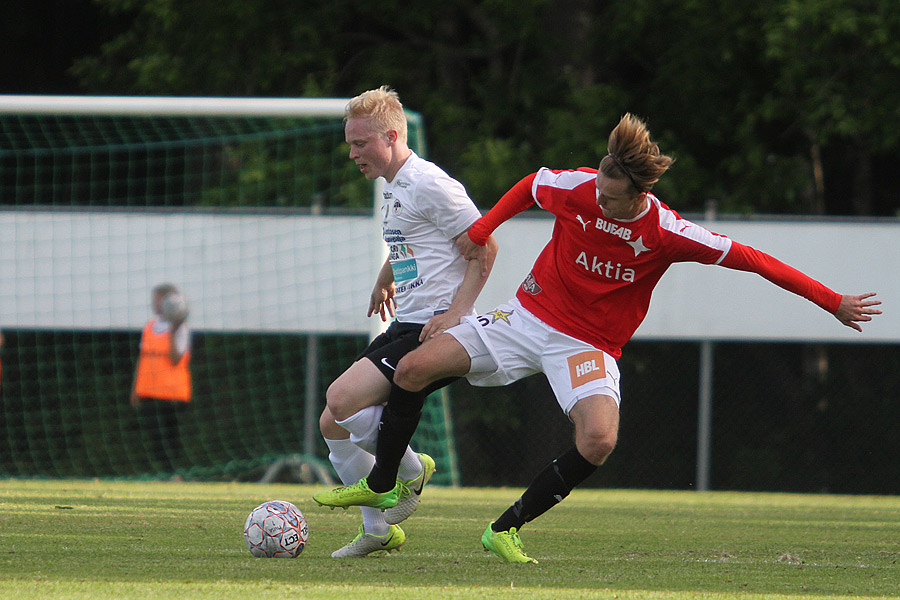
(392, 136)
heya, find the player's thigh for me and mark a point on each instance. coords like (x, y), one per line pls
(576, 370)
(437, 358)
(362, 385)
(504, 345)
(388, 348)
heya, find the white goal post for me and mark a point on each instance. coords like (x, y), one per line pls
(183, 106)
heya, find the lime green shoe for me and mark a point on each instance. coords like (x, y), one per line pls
(359, 494)
(506, 545)
(410, 492)
(366, 543)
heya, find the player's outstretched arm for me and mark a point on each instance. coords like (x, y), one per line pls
(856, 309)
(849, 309)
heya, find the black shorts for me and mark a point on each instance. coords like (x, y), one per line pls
(388, 348)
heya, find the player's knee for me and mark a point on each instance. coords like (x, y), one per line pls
(412, 374)
(330, 430)
(325, 419)
(338, 403)
(596, 446)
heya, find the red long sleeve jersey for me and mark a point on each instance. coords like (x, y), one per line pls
(594, 278)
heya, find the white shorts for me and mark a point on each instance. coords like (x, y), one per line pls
(509, 343)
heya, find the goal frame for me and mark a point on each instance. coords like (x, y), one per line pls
(188, 106)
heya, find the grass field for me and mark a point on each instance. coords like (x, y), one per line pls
(90, 539)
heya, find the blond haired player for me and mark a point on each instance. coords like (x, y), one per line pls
(587, 292)
(425, 283)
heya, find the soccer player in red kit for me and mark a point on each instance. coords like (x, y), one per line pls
(587, 293)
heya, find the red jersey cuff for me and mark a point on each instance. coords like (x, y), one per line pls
(517, 199)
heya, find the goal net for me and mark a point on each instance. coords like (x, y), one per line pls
(253, 209)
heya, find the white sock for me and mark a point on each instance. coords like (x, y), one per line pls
(352, 463)
(410, 465)
(363, 428)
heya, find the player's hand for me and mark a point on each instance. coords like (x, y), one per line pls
(469, 249)
(439, 324)
(855, 309)
(472, 251)
(382, 302)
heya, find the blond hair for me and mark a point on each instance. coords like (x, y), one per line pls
(382, 107)
(634, 155)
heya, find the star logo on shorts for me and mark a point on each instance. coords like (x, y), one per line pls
(500, 315)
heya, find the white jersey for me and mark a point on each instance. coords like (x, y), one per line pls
(422, 210)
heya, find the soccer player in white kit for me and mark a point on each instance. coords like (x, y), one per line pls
(425, 283)
(587, 293)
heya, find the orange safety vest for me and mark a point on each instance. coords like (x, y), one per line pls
(157, 377)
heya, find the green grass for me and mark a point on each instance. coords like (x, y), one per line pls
(90, 539)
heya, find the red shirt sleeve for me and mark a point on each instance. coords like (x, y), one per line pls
(517, 199)
(745, 258)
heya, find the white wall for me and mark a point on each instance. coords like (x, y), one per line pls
(94, 270)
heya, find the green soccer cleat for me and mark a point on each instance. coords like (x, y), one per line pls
(506, 545)
(410, 492)
(359, 494)
(366, 543)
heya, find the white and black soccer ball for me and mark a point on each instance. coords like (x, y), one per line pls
(174, 307)
(276, 529)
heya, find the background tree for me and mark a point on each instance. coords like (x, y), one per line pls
(838, 93)
(777, 106)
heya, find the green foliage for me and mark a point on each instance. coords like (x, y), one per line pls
(226, 47)
(179, 161)
(752, 98)
(288, 172)
(485, 168)
(839, 62)
(82, 539)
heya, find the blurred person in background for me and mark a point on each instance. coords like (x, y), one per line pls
(162, 391)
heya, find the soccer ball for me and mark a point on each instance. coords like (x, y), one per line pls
(174, 307)
(276, 529)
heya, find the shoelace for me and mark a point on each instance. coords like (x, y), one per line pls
(518, 541)
(403, 490)
(509, 541)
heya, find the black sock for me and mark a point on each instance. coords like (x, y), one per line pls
(547, 490)
(398, 424)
